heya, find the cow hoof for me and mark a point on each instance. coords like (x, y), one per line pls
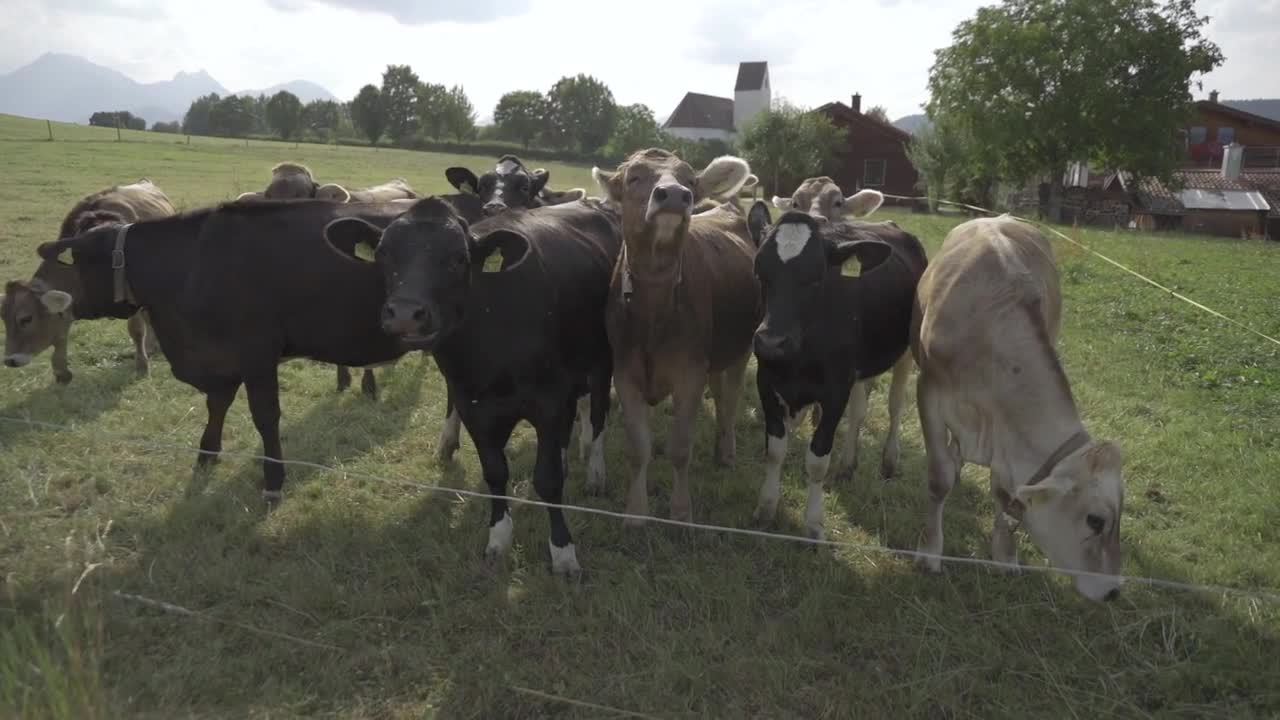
(494, 560)
(814, 532)
(928, 565)
(765, 513)
(62, 378)
(272, 499)
(369, 387)
(888, 469)
(206, 460)
(594, 486)
(564, 561)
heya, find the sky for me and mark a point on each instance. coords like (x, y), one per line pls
(818, 50)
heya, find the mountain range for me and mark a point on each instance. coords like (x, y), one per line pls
(70, 88)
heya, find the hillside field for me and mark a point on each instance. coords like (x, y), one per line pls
(369, 599)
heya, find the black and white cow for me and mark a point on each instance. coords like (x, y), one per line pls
(512, 309)
(838, 301)
(511, 185)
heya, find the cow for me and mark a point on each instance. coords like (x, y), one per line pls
(38, 313)
(992, 391)
(733, 203)
(512, 309)
(397, 189)
(510, 185)
(233, 291)
(822, 197)
(682, 308)
(838, 300)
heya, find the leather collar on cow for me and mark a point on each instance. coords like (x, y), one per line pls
(1013, 507)
(628, 282)
(122, 292)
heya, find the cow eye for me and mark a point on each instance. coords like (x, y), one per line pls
(24, 321)
(1096, 523)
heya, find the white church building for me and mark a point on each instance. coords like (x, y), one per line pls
(708, 117)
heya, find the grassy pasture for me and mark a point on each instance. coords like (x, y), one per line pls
(388, 579)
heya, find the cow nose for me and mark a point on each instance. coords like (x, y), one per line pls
(672, 197)
(1112, 595)
(771, 347)
(493, 208)
(403, 319)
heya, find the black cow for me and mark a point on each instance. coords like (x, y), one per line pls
(838, 300)
(234, 290)
(510, 185)
(512, 309)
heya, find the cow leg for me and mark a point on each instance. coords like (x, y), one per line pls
(61, 370)
(944, 470)
(775, 442)
(369, 385)
(685, 402)
(599, 412)
(490, 438)
(858, 400)
(584, 427)
(818, 460)
(897, 397)
(635, 419)
(451, 433)
(264, 404)
(138, 333)
(548, 480)
(1003, 547)
(727, 393)
(153, 345)
(344, 378)
(217, 402)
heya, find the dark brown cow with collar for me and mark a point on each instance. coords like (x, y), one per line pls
(683, 306)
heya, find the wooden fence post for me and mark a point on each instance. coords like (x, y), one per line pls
(49, 124)
(117, 128)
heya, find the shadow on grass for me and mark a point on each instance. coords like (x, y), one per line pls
(90, 394)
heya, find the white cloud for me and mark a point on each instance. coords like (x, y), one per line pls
(818, 50)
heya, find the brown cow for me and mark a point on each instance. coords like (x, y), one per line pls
(822, 197)
(38, 313)
(683, 306)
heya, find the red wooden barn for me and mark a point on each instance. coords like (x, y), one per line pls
(875, 153)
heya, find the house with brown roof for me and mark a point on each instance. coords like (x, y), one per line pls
(874, 153)
(709, 117)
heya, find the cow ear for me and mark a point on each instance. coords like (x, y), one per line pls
(783, 204)
(723, 177)
(858, 257)
(348, 235)
(58, 251)
(559, 198)
(751, 182)
(758, 221)
(333, 193)
(463, 179)
(863, 202)
(609, 182)
(249, 196)
(499, 251)
(537, 181)
(1052, 487)
(55, 301)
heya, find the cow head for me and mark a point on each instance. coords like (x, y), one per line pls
(821, 197)
(1073, 516)
(83, 262)
(508, 185)
(34, 316)
(658, 191)
(800, 257)
(290, 181)
(429, 258)
(333, 193)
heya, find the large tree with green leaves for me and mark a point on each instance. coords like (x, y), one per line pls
(368, 113)
(1043, 83)
(581, 112)
(284, 114)
(636, 130)
(786, 144)
(321, 117)
(432, 108)
(459, 114)
(521, 116)
(399, 96)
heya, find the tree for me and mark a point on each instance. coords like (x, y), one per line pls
(636, 130)
(399, 93)
(459, 114)
(1043, 83)
(118, 118)
(284, 114)
(166, 127)
(937, 152)
(368, 113)
(521, 116)
(878, 112)
(233, 116)
(196, 121)
(321, 118)
(786, 144)
(432, 102)
(582, 112)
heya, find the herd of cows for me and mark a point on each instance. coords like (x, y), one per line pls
(536, 305)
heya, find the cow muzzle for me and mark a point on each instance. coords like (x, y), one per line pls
(670, 198)
(774, 348)
(404, 318)
(492, 208)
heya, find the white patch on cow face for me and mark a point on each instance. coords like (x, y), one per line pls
(506, 167)
(17, 360)
(500, 536)
(564, 561)
(791, 239)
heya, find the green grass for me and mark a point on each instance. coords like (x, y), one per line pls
(666, 623)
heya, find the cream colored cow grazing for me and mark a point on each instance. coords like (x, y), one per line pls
(992, 392)
(822, 197)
